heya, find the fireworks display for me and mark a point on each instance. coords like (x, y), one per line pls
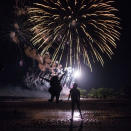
(62, 35)
(76, 31)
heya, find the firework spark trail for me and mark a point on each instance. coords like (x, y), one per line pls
(88, 29)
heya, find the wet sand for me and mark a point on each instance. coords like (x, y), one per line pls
(39, 115)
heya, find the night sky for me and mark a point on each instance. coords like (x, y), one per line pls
(115, 74)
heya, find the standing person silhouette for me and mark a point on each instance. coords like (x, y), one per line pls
(75, 99)
(55, 87)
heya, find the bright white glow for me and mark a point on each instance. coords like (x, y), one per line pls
(77, 74)
(76, 116)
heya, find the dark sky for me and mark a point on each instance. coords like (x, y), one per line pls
(116, 72)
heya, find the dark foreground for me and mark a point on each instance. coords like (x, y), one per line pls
(20, 114)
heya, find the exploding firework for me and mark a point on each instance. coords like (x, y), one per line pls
(84, 30)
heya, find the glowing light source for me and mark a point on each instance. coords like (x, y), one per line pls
(77, 74)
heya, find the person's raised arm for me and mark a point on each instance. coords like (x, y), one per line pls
(62, 76)
(44, 78)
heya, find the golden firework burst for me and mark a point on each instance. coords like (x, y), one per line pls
(77, 30)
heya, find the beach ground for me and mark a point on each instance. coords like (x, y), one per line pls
(37, 114)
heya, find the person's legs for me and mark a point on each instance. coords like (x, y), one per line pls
(78, 106)
(72, 108)
(52, 98)
(57, 98)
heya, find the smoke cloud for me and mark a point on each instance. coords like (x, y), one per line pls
(17, 91)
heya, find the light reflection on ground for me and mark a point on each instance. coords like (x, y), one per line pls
(38, 114)
(76, 116)
(60, 115)
(56, 115)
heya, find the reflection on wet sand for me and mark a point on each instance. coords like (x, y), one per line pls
(38, 115)
(55, 115)
(80, 126)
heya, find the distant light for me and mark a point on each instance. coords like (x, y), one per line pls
(77, 74)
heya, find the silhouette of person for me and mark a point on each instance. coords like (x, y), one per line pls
(75, 99)
(55, 87)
